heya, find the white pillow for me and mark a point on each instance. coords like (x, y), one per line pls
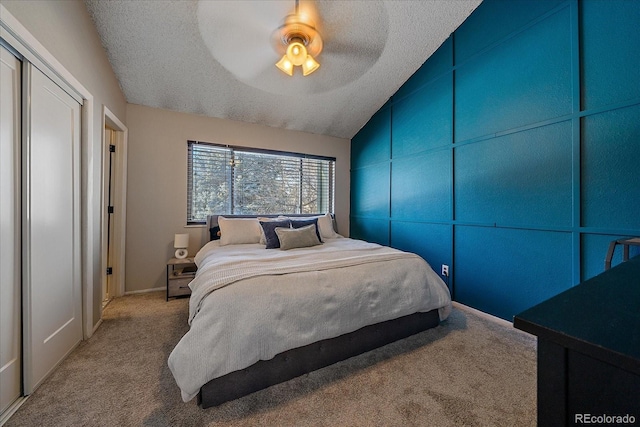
(236, 231)
(325, 223)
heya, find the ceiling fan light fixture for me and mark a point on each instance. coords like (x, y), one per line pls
(299, 40)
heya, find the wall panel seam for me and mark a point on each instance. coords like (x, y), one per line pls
(576, 140)
(452, 175)
(390, 182)
(565, 118)
(483, 51)
(463, 223)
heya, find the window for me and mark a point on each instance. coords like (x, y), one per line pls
(234, 180)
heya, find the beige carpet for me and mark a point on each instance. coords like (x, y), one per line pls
(469, 371)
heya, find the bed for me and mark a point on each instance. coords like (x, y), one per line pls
(261, 316)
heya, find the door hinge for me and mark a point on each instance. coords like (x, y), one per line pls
(112, 148)
(110, 209)
(109, 271)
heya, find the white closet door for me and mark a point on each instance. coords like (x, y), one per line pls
(51, 224)
(10, 283)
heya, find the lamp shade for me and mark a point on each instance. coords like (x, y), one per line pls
(309, 65)
(181, 241)
(285, 65)
(296, 52)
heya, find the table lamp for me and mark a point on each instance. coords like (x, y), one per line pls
(181, 243)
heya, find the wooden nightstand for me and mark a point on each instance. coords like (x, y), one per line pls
(180, 272)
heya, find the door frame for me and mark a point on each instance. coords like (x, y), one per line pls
(121, 133)
(18, 37)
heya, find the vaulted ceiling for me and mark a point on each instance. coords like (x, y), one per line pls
(216, 58)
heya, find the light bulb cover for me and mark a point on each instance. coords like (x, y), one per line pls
(285, 65)
(297, 53)
(309, 65)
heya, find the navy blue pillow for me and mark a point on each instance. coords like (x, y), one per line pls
(299, 223)
(213, 233)
(269, 228)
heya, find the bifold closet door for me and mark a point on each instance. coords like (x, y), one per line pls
(10, 282)
(51, 227)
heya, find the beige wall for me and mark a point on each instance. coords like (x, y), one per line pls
(157, 180)
(66, 30)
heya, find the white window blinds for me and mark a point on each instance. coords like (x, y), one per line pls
(234, 180)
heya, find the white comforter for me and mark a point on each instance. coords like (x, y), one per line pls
(249, 303)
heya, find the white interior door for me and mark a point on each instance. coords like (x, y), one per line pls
(51, 227)
(10, 281)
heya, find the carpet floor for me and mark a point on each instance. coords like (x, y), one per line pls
(469, 371)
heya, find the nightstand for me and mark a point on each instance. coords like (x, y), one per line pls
(180, 272)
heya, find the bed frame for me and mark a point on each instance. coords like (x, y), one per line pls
(299, 361)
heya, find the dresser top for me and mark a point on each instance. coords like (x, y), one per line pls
(600, 317)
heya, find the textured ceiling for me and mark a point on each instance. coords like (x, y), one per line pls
(215, 58)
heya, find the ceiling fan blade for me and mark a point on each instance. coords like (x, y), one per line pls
(348, 48)
(343, 23)
(238, 33)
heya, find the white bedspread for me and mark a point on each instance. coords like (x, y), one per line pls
(249, 303)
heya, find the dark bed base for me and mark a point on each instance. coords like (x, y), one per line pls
(299, 361)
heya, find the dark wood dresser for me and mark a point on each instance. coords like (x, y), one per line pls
(589, 350)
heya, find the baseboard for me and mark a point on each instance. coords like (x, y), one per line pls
(95, 328)
(4, 417)
(145, 291)
(482, 314)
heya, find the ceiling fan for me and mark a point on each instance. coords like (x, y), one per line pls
(298, 40)
(249, 37)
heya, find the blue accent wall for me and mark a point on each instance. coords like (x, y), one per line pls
(513, 153)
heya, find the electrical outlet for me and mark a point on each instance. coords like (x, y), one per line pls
(445, 270)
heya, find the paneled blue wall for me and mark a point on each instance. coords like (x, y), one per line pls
(513, 153)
